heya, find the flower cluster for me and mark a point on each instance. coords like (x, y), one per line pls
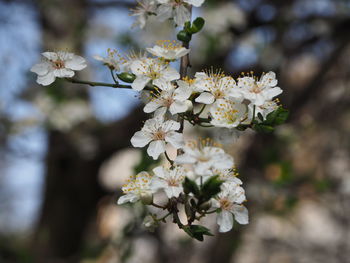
(178, 10)
(202, 178)
(200, 165)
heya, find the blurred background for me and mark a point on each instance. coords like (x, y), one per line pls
(65, 150)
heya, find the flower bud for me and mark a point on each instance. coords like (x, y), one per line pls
(126, 77)
(146, 198)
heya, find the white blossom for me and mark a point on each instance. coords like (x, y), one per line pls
(57, 64)
(156, 132)
(259, 91)
(195, 85)
(169, 97)
(169, 180)
(228, 113)
(130, 58)
(136, 188)
(264, 110)
(230, 200)
(143, 9)
(217, 86)
(110, 61)
(154, 70)
(168, 50)
(226, 175)
(205, 156)
(176, 9)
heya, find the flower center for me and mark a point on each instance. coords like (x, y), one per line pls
(173, 182)
(58, 64)
(153, 74)
(256, 89)
(203, 158)
(225, 204)
(159, 135)
(168, 101)
(218, 94)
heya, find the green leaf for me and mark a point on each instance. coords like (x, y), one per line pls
(187, 27)
(197, 25)
(277, 117)
(197, 231)
(210, 188)
(190, 187)
(126, 77)
(261, 127)
(184, 36)
(260, 116)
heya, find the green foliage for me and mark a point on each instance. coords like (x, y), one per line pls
(197, 231)
(210, 188)
(185, 35)
(196, 26)
(277, 117)
(190, 187)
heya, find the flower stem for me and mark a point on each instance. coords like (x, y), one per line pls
(202, 109)
(115, 81)
(158, 206)
(168, 158)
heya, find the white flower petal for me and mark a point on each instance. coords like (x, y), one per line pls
(175, 139)
(241, 214)
(182, 15)
(63, 73)
(205, 98)
(225, 221)
(159, 171)
(170, 74)
(178, 107)
(173, 191)
(151, 106)
(132, 198)
(50, 55)
(196, 3)
(185, 158)
(155, 148)
(41, 68)
(140, 82)
(170, 126)
(273, 92)
(164, 12)
(76, 63)
(157, 184)
(46, 79)
(182, 93)
(140, 139)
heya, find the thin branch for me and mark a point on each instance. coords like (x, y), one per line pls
(102, 84)
(98, 84)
